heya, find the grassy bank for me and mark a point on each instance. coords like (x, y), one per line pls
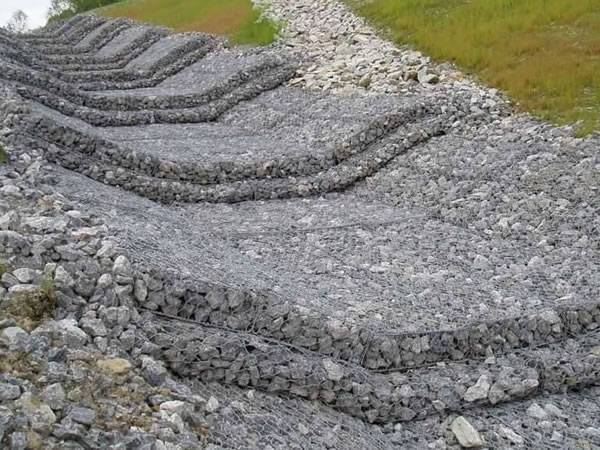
(237, 19)
(544, 53)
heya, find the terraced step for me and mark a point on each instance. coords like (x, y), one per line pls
(212, 354)
(61, 91)
(132, 78)
(55, 29)
(73, 33)
(264, 259)
(205, 173)
(207, 112)
(124, 48)
(92, 42)
(171, 179)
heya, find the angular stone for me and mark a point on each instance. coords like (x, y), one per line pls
(511, 435)
(537, 412)
(212, 405)
(25, 275)
(406, 391)
(555, 411)
(153, 371)
(481, 263)
(115, 315)
(122, 267)
(93, 327)
(335, 372)
(175, 406)
(39, 414)
(215, 298)
(85, 416)
(18, 440)
(116, 366)
(65, 330)
(465, 433)
(54, 395)
(24, 289)
(140, 290)
(42, 418)
(105, 281)
(108, 250)
(478, 391)
(42, 223)
(235, 299)
(497, 394)
(62, 278)
(9, 391)
(14, 241)
(14, 336)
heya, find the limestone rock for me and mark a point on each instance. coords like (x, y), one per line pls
(537, 412)
(335, 372)
(478, 391)
(117, 366)
(465, 433)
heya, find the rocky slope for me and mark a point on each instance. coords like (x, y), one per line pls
(203, 247)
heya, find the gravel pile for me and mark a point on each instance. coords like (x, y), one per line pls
(344, 54)
(201, 253)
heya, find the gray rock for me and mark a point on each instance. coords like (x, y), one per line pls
(10, 220)
(176, 406)
(108, 250)
(555, 411)
(42, 418)
(122, 267)
(54, 395)
(335, 372)
(24, 289)
(9, 391)
(511, 435)
(478, 391)
(153, 371)
(425, 77)
(212, 405)
(13, 240)
(558, 437)
(85, 416)
(26, 275)
(105, 281)
(93, 327)
(481, 262)
(115, 315)
(18, 440)
(127, 339)
(65, 330)
(140, 290)
(15, 337)
(465, 433)
(537, 412)
(62, 278)
(46, 224)
(10, 190)
(497, 394)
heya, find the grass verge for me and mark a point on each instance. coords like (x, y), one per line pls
(544, 53)
(237, 19)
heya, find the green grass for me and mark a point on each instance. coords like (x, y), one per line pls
(236, 19)
(3, 155)
(545, 54)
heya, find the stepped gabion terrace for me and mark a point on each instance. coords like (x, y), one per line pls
(323, 266)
